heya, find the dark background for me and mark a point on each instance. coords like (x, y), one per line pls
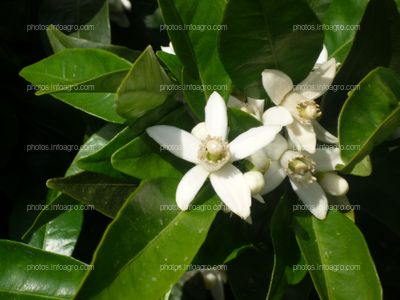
(26, 119)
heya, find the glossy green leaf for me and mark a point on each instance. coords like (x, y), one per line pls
(286, 251)
(31, 274)
(144, 87)
(106, 194)
(75, 67)
(100, 161)
(143, 158)
(61, 233)
(196, 46)
(262, 35)
(370, 115)
(100, 30)
(60, 41)
(344, 16)
(90, 88)
(101, 105)
(144, 240)
(336, 254)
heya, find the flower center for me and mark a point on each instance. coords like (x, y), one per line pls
(214, 153)
(302, 169)
(308, 111)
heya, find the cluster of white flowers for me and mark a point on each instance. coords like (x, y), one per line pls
(311, 171)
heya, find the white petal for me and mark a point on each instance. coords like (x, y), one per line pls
(324, 135)
(169, 49)
(302, 136)
(313, 197)
(200, 131)
(126, 4)
(235, 102)
(277, 84)
(177, 141)
(288, 156)
(230, 185)
(318, 81)
(255, 181)
(190, 185)
(216, 116)
(273, 177)
(291, 103)
(278, 146)
(334, 184)
(257, 103)
(323, 56)
(277, 115)
(252, 140)
(260, 160)
(259, 198)
(326, 159)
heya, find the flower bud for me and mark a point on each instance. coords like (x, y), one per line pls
(334, 184)
(255, 181)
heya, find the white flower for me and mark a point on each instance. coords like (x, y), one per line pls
(310, 175)
(208, 148)
(299, 101)
(168, 49)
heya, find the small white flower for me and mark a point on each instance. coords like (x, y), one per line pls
(299, 102)
(168, 49)
(209, 149)
(310, 175)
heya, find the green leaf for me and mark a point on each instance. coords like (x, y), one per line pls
(262, 35)
(61, 233)
(370, 49)
(143, 158)
(239, 122)
(143, 88)
(173, 64)
(319, 7)
(75, 67)
(53, 224)
(31, 274)
(347, 14)
(100, 161)
(69, 74)
(100, 30)
(337, 248)
(106, 194)
(286, 251)
(196, 46)
(70, 14)
(60, 41)
(369, 116)
(143, 239)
